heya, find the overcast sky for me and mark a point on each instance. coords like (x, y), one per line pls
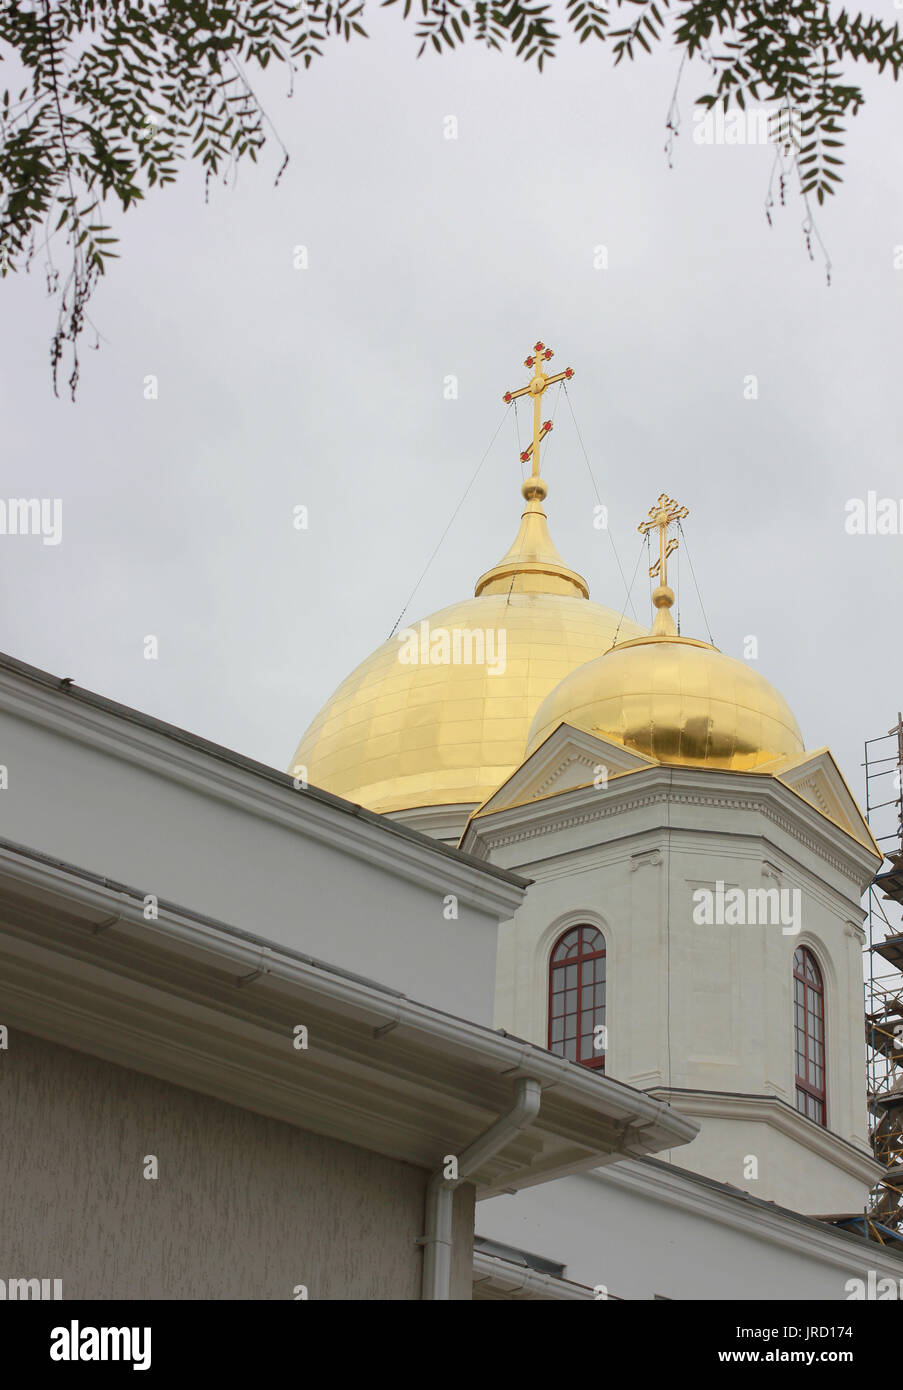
(431, 257)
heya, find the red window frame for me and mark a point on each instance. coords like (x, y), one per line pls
(809, 1037)
(577, 995)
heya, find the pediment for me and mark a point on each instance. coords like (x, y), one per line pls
(567, 759)
(817, 779)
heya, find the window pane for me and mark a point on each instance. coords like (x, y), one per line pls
(809, 1033)
(577, 993)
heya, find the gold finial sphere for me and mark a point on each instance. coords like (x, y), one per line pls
(534, 487)
(663, 596)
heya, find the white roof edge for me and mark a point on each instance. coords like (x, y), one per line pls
(188, 759)
(495, 1052)
(515, 1280)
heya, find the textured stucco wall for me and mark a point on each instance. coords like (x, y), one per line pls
(244, 1206)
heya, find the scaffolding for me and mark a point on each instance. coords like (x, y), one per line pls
(884, 977)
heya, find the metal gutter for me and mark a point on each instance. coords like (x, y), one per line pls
(440, 1192)
(351, 995)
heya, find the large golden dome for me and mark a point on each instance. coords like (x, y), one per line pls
(399, 734)
(674, 699)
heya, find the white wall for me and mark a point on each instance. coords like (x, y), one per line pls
(642, 1231)
(706, 1008)
(139, 807)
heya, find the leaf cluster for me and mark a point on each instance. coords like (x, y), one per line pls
(111, 98)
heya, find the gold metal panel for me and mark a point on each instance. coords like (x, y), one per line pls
(397, 735)
(677, 700)
(477, 722)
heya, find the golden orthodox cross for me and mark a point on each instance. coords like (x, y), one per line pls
(535, 387)
(665, 513)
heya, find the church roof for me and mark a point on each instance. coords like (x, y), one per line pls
(199, 1003)
(421, 722)
(428, 724)
(67, 690)
(670, 697)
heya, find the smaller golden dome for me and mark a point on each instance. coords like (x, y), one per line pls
(673, 698)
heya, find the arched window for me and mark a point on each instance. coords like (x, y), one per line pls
(577, 996)
(809, 1035)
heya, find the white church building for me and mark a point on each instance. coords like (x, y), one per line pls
(537, 976)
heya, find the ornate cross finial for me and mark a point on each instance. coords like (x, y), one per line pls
(665, 513)
(535, 387)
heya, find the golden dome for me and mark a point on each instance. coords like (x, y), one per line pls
(401, 733)
(674, 699)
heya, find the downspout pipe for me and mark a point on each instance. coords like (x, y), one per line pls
(440, 1192)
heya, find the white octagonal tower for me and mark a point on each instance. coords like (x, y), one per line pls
(666, 802)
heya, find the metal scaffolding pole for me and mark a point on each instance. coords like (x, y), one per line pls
(884, 980)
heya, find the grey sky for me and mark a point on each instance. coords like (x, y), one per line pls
(430, 257)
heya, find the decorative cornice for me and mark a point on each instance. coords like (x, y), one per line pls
(582, 759)
(819, 845)
(778, 1115)
(819, 764)
(853, 930)
(811, 791)
(646, 859)
(537, 819)
(563, 747)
